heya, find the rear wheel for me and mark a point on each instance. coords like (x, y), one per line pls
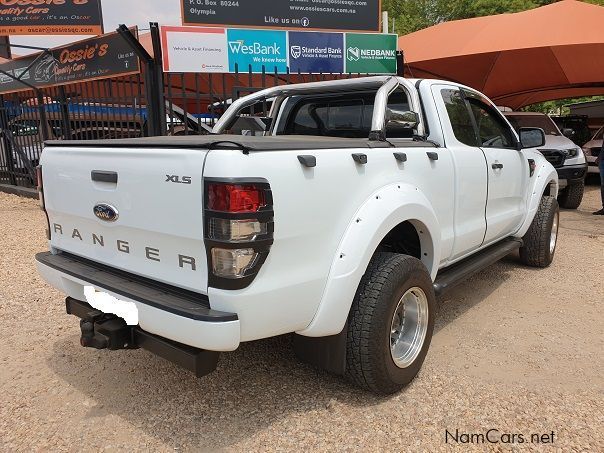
(390, 324)
(542, 237)
(572, 196)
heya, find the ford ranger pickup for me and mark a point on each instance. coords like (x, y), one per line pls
(337, 216)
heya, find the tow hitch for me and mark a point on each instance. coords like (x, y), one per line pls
(103, 331)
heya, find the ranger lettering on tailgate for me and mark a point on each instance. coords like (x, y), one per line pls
(123, 246)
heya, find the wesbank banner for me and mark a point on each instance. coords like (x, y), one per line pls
(256, 49)
(208, 49)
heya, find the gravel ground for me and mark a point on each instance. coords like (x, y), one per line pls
(515, 349)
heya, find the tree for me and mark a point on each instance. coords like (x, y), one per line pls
(413, 15)
(558, 107)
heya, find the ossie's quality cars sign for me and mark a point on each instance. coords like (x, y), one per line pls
(47, 17)
(96, 58)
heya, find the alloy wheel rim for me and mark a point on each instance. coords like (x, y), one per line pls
(554, 234)
(409, 327)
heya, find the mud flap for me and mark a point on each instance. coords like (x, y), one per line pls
(327, 353)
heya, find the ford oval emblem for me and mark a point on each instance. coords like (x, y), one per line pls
(106, 212)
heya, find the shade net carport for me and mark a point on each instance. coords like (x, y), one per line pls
(547, 53)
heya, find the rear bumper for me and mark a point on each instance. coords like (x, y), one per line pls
(165, 311)
(572, 173)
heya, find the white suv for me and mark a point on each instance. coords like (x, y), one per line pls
(592, 150)
(566, 157)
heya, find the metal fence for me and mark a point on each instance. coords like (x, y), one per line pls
(145, 104)
(195, 101)
(117, 108)
(103, 109)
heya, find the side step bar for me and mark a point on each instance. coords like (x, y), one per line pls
(458, 272)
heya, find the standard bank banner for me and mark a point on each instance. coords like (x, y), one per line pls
(209, 49)
(316, 53)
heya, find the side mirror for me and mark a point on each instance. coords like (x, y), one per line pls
(567, 132)
(531, 137)
(406, 119)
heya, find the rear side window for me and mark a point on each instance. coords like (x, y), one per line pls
(347, 115)
(332, 118)
(459, 117)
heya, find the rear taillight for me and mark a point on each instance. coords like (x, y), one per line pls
(232, 263)
(238, 230)
(235, 197)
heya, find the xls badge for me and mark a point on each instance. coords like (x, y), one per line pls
(106, 212)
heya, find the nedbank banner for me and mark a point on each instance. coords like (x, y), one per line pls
(375, 54)
(205, 49)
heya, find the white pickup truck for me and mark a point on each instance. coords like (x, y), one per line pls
(341, 220)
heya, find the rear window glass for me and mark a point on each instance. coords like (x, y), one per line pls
(347, 116)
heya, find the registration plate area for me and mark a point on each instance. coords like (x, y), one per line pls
(108, 304)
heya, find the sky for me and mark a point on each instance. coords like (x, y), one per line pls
(115, 12)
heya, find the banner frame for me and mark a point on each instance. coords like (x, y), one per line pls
(276, 27)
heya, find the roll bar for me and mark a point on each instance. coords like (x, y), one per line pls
(385, 86)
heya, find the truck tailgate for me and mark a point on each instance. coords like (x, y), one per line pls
(157, 201)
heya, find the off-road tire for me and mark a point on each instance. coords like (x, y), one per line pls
(572, 195)
(369, 362)
(536, 249)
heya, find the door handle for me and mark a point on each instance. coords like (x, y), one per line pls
(104, 176)
(497, 166)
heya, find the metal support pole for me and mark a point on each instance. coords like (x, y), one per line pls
(159, 81)
(154, 127)
(43, 118)
(400, 63)
(65, 113)
(5, 143)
